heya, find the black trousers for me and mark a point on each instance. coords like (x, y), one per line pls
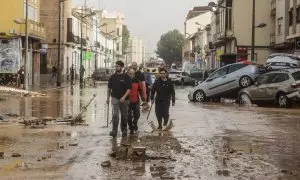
(133, 115)
(162, 111)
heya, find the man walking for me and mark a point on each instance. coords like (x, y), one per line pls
(165, 92)
(119, 86)
(134, 106)
(140, 77)
(148, 81)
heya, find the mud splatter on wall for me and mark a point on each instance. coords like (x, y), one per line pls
(10, 55)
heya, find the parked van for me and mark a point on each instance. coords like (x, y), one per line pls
(278, 61)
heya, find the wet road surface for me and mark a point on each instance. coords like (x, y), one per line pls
(208, 141)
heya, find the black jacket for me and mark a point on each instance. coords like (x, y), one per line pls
(164, 90)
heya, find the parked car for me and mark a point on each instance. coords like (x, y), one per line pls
(179, 77)
(102, 74)
(279, 87)
(226, 79)
(279, 61)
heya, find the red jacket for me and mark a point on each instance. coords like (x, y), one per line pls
(136, 87)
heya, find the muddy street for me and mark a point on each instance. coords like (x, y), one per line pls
(208, 141)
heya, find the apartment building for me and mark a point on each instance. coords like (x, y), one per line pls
(233, 40)
(12, 39)
(196, 20)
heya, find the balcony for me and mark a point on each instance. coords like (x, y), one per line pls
(71, 38)
(273, 8)
(84, 42)
(35, 30)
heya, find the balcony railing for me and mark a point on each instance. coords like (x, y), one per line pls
(35, 29)
(273, 8)
(72, 38)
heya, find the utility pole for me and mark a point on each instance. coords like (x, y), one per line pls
(96, 48)
(58, 80)
(105, 47)
(253, 31)
(26, 71)
(81, 51)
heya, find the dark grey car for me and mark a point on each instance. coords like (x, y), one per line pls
(102, 74)
(280, 87)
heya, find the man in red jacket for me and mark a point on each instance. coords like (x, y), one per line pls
(134, 106)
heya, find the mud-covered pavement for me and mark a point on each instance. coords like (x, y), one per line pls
(208, 141)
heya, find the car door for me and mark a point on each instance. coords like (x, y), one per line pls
(278, 80)
(233, 77)
(217, 82)
(186, 77)
(263, 83)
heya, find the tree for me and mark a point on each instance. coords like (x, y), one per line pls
(125, 38)
(169, 47)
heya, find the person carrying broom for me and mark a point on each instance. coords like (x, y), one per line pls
(165, 92)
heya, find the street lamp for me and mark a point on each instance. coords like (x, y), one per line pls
(214, 7)
(81, 43)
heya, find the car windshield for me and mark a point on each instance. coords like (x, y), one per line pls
(296, 75)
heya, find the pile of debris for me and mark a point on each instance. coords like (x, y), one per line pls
(5, 89)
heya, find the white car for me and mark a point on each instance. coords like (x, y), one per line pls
(226, 79)
(278, 61)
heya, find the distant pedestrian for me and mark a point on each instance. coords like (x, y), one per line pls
(134, 105)
(54, 73)
(119, 87)
(148, 81)
(165, 92)
(72, 70)
(21, 74)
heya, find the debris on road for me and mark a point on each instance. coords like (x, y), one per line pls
(106, 163)
(6, 89)
(1, 155)
(16, 155)
(73, 144)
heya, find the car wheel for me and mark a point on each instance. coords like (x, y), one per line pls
(283, 101)
(245, 81)
(199, 96)
(244, 99)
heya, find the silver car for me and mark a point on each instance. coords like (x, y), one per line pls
(226, 79)
(179, 77)
(280, 87)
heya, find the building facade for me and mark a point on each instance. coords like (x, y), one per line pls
(196, 20)
(12, 39)
(82, 41)
(135, 51)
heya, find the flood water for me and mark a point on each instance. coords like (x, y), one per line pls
(208, 141)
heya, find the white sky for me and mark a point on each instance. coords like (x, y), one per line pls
(148, 19)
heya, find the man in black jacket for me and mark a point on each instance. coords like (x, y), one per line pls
(165, 92)
(119, 87)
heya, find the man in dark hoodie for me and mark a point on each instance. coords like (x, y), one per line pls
(165, 92)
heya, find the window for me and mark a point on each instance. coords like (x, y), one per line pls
(219, 73)
(296, 76)
(262, 80)
(118, 31)
(118, 47)
(236, 67)
(298, 15)
(279, 26)
(278, 78)
(291, 17)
